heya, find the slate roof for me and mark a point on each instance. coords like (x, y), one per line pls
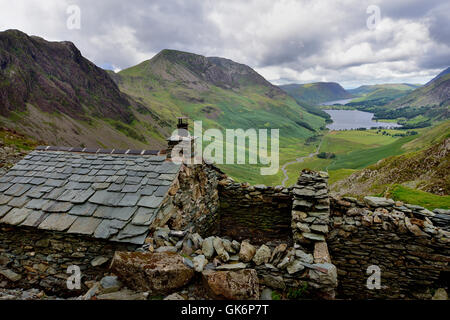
(103, 195)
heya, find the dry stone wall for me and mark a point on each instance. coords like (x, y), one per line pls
(31, 258)
(412, 254)
(258, 212)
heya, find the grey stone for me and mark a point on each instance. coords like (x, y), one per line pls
(84, 225)
(220, 249)
(150, 201)
(266, 294)
(313, 236)
(143, 217)
(129, 200)
(17, 190)
(304, 257)
(275, 282)
(108, 228)
(232, 266)
(167, 249)
(379, 202)
(295, 266)
(86, 209)
(57, 222)
(200, 262)
(121, 213)
(15, 216)
(262, 255)
(10, 275)
(99, 261)
(110, 284)
(106, 198)
(57, 207)
(131, 231)
(123, 295)
(208, 247)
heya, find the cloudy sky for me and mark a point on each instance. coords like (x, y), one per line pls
(286, 41)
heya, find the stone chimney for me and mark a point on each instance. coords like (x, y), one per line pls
(181, 137)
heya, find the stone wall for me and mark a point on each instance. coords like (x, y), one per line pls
(400, 239)
(193, 200)
(258, 213)
(31, 258)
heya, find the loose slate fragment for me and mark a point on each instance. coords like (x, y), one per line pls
(85, 225)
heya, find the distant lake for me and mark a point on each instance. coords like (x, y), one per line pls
(354, 119)
(330, 103)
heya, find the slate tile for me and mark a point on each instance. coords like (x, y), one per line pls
(54, 194)
(144, 217)
(139, 240)
(133, 180)
(166, 176)
(34, 219)
(17, 190)
(129, 200)
(55, 183)
(15, 216)
(37, 181)
(154, 182)
(56, 206)
(19, 202)
(124, 213)
(84, 225)
(108, 228)
(106, 198)
(36, 204)
(5, 179)
(131, 231)
(21, 180)
(150, 201)
(148, 190)
(100, 186)
(4, 199)
(57, 222)
(152, 175)
(85, 209)
(82, 196)
(162, 191)
(4, 210)
(131, 188)
(100, 179)
(157, 158)
(68, 195)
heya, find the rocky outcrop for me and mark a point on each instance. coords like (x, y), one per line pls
(232, 285)
(153, 272)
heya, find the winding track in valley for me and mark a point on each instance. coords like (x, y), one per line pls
(298, 160)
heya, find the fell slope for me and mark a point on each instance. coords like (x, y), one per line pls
(316, 93)
(426, 169)
(222, 93)
(51, 92)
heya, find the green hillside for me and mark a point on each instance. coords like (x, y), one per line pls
(316, 93)
(224, 95)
